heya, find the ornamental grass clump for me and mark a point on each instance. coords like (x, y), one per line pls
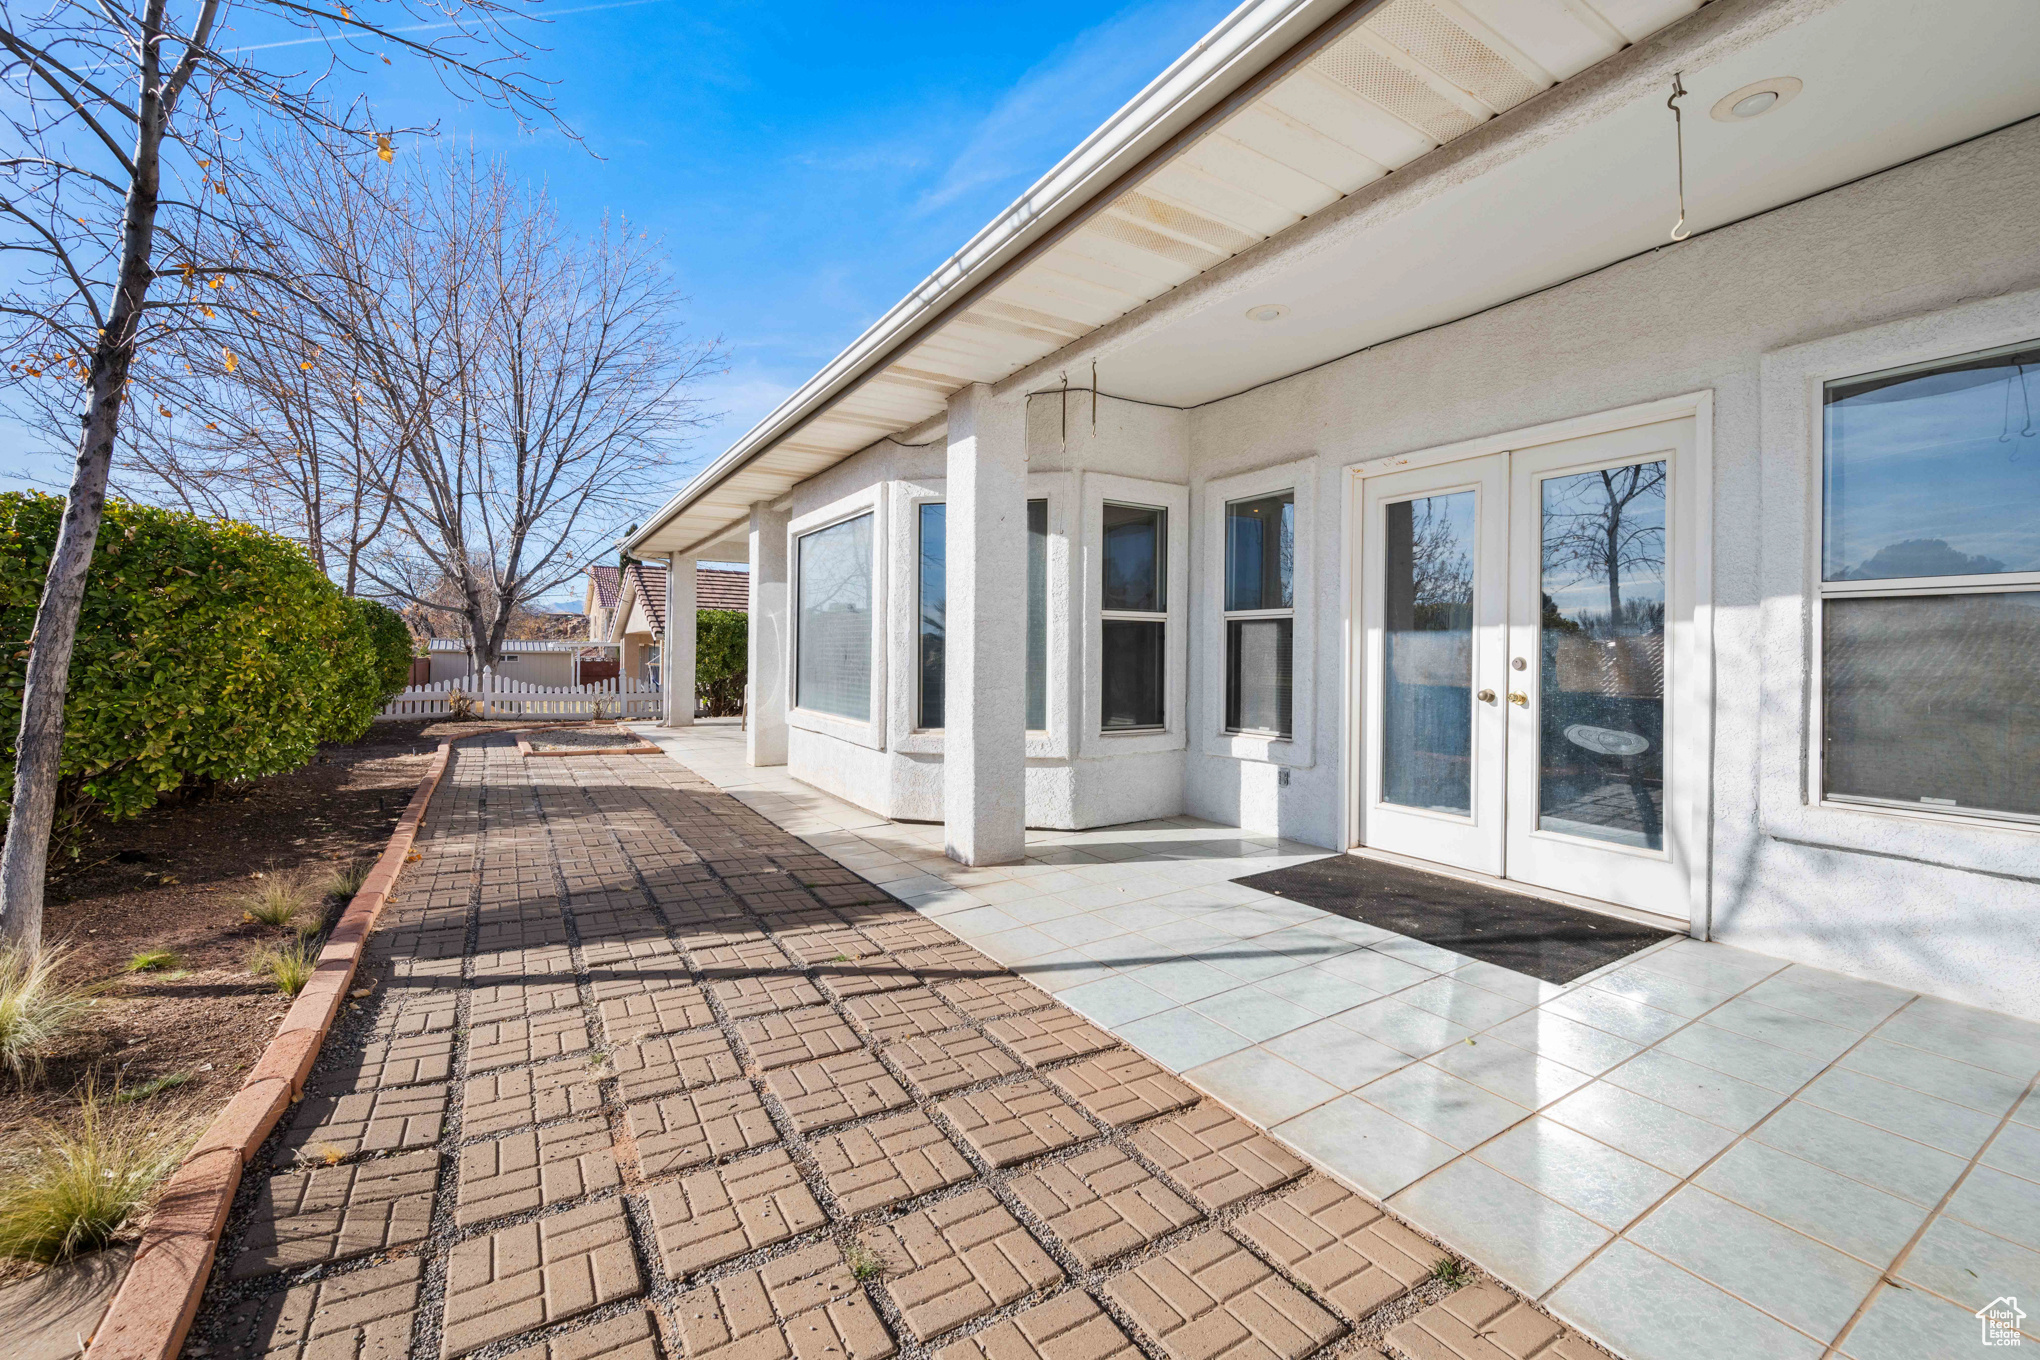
(283, 900)
(290, 966)
(70, 1187)
(346, 879)
(153, 961)
(36, 1007)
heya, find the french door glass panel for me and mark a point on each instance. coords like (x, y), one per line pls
(1601, 679)
(1523, 683)
(1428, 547)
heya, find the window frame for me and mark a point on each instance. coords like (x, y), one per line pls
(1298, 749)
(870, 732)
(1174, 501)
(1229, 616)
(1901, 587)
(906, 496)
(1790, 732)
(1154, 616)
(917, 530)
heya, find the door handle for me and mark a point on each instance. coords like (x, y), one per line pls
(1486, 696)
(1519, 698)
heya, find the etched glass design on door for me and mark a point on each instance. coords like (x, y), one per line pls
(1427, 653)
(1601, 688)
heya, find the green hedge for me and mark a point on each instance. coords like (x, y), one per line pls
(721, 661)
(208, 650)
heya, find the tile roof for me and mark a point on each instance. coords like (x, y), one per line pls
(650, 581)
(717, 589)
(605, 586)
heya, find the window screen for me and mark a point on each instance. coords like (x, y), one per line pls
(833, 670)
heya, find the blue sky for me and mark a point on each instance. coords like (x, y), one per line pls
(806, 163)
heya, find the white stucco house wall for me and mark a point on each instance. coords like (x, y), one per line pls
(1340, 444)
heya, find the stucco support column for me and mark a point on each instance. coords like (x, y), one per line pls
(768, 639)
(984, 742)
(676, 648)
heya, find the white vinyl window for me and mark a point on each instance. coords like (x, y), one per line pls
(1260, 614)
(932, 578)
(1930, 585)
(832, 671)
(1134, 618)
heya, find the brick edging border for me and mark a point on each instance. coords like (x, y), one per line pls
(643, 748)
(157, 1300)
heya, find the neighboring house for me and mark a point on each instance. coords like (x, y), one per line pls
(599, 601)
(637, 624)
(1437, 503)
(536, 663)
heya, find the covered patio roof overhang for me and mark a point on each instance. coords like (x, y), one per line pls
(1377, 169)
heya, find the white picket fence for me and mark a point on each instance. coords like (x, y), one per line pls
(494, 696)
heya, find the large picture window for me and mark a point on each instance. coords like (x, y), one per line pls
(1930, 585)
(832, 671)
(932, 556)
(1260, 620)
(1134, 617)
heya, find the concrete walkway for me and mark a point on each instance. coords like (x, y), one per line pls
(639, 1073)
(1699, 1152)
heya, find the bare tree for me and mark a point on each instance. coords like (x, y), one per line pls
(125, 122)
(556, 388)
(293, 436)
(1607, 529)
(439, 383)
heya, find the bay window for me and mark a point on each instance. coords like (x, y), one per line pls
(932, 572)
(1134, 617)
(1930, 585)
(1260, 620)
(832, 670)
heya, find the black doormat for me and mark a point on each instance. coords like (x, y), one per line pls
(1544, 939)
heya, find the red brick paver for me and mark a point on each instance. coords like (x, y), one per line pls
(1219, 1158)
(836, 1090)
(1211, 1297)
(1121, 1087)
(804, 1306)
(1068, 1327)
(333, 1212)
(532, 1274)
(1347, 1250)
(367, 1314)
(691, 1127)
(328, 1128)
(709, 1217)
(533, 1168)
(1102, 1204)
(957, 1260)
(1487, 1322)
(1016, 1121)
(888, 1160)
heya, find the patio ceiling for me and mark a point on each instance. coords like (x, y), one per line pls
(1334, 98)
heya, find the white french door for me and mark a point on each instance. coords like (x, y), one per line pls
(1525, 621)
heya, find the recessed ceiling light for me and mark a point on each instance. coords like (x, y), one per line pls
(1267, 311)
(1756, 99)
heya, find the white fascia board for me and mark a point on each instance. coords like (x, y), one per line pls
(1243, 45)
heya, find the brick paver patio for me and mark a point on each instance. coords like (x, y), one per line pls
(644, 1075)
